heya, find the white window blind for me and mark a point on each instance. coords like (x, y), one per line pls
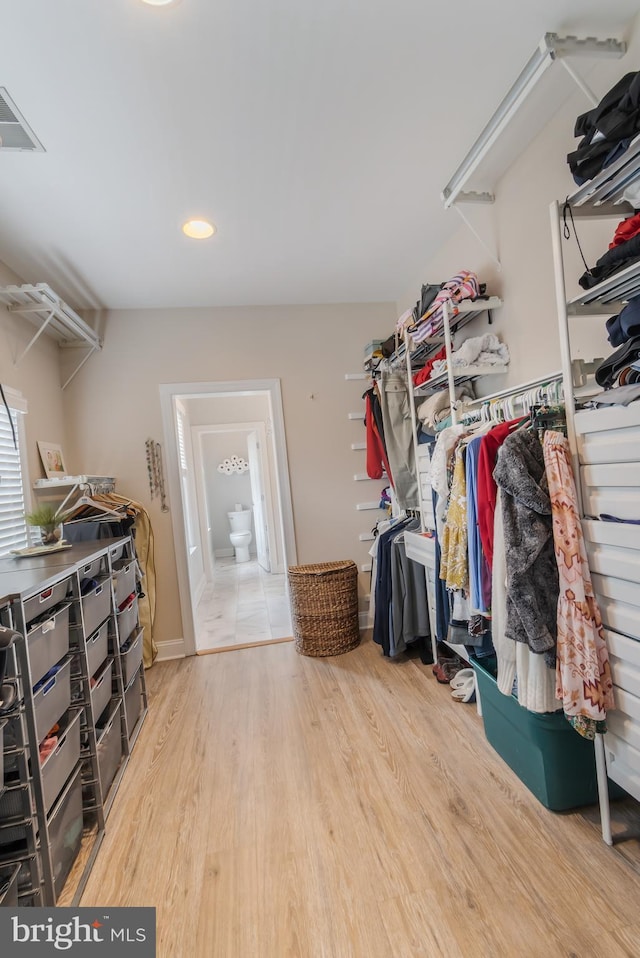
(13, 528)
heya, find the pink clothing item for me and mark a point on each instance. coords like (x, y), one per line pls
(583, 675)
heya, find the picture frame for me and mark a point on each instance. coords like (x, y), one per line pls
(52, 460)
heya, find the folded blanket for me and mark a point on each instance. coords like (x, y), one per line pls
(484, 350)
(437, 407)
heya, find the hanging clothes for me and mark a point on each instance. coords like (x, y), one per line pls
(478, 569)
(532, 573)
(377, 461)
(489, 447)
(454, 562)
(583, 673)
(410, 611)
(398, 435)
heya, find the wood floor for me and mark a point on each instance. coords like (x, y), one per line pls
(278, 806)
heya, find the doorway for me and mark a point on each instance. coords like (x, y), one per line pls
(210, 428)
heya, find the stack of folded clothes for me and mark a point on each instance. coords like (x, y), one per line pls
(619, 373)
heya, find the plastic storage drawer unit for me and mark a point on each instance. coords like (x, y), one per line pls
(116, 552)
(133, 702)
(61, 762)
(52, 700)
(97, 648)
(110, 751)
(94, 569)
(9, 886)
(38, 604)
(3, 723)
(65, 830)
(96, 606)
(127, 619)
(547, 755)
(101, 691)
(124, 580)
(48, 642)
(132, 657)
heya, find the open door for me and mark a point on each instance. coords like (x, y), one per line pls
(259, 501)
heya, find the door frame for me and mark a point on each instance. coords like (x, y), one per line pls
(169, 395)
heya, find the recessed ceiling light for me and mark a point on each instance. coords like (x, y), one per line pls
(198, 229)
(159, 3)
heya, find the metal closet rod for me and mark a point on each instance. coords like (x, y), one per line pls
(520, 388)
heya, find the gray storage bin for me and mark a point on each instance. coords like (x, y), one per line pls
(38, 604)
(127, 620)
(133, 702)
(15, 806)
(94, 569)
(14, 803)
(60, 764)
(101, 691)
(48, 642)
(52, 700)
(9, 886)
(3, 722)
(132, 658)
(124, 580)
(110, 751)
(65, 830)
(96, 606)
(117, 552)
(97, 648)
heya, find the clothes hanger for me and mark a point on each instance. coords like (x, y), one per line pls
(85, 502)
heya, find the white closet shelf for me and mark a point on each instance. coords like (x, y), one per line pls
(612, 292)
(609, 185)
(73, 481)
(44, 308)
(461, 374)
(467, 310)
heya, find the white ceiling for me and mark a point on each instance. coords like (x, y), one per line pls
(317, 136)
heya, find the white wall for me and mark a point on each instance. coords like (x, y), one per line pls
(37, 377)
(113, 406)
(223, 492)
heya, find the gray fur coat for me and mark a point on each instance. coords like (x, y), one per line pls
(532, 572)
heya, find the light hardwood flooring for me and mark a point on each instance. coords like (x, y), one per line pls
(278, 806)
(244, 605)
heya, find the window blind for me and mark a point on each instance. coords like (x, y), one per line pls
(13, 528)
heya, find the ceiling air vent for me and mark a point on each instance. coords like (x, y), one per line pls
(15, 132)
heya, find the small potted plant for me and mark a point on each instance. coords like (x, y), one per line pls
(49, 521)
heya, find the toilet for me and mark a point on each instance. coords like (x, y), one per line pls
(240, 521)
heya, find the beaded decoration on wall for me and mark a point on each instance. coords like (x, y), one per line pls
(156, 473)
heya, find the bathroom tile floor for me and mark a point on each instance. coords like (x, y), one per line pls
(244, 605)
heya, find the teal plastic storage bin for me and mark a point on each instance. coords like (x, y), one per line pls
(547, 755)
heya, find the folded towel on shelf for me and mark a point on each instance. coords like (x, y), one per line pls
(484, 350)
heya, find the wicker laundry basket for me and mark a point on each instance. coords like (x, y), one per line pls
(324, 607)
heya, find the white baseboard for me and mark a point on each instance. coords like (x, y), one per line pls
(223, 553)
(171, 649)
